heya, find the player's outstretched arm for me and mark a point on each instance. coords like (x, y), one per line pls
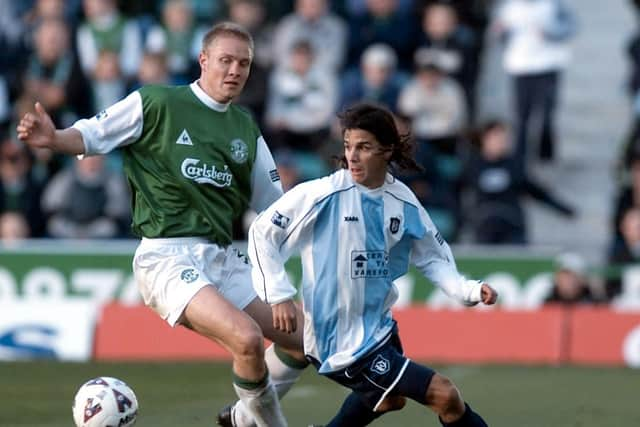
(38, 131)
(284, 316)
(488, 295)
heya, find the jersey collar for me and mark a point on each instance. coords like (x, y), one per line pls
(206, 99)
(389, 179)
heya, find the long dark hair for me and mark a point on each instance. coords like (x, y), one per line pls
(381, 123)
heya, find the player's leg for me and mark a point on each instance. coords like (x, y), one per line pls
(354, 412)
(175, 278)
(444, 398)
(439, 393)
(211, 315)
(284, 358)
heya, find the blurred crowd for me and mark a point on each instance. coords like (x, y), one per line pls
(422, 59)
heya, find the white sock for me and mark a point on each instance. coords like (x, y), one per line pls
(263, 404)
(283, 376)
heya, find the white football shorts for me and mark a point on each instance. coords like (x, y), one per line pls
(169, 272)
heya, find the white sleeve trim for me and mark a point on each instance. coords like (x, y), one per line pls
(118, 125)
(265, 181)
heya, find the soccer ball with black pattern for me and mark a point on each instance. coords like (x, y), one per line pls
(105, 402)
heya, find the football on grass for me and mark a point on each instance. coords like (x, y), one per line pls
(105, 402)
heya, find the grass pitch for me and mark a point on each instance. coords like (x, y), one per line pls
(39, 394)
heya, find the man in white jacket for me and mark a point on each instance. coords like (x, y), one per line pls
(357, 230)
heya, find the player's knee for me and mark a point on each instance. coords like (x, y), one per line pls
(392, 403)
(249, 342)
(444, 396)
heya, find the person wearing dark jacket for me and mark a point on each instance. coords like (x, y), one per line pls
(498, 184)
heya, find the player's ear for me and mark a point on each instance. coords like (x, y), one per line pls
(202, 59)
(388, 153)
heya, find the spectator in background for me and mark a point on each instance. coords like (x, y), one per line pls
(87, 201)
(497, 184)
(208, 11)
(53, 75)
(178, 38)
(252, 15)
(19, 192)
(52, 9)
(13, 52)
(313, 21)
(104, 28)
(377, 81)
(107, 84)
(153, 70)
(351, 8)
(435, 108)
(301, 103)
(536, 52)
(628, 194)
(13, 227)
(433, 102)
(384, 21)
(570, 281)
(454, 45)
(624, 250)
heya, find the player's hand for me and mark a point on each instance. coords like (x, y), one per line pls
(284, 316)
(37, 129)
(488, 295)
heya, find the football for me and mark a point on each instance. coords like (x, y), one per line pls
(105, 402)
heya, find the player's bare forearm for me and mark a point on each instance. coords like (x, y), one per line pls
(284, 316)
(68, 141)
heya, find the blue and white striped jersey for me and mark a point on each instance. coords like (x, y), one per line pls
(353, 242)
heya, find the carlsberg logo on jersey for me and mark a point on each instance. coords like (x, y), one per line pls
(206, 174)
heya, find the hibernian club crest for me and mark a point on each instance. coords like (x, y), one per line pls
(239, 151)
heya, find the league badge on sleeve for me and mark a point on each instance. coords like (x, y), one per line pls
(102, 115)
(274, 175)
(280, 220)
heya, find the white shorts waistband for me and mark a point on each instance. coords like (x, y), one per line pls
(178, 241)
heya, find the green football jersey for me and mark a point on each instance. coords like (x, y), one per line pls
(190, 169)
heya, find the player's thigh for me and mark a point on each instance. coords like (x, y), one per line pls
(211, 315)
(261, 313)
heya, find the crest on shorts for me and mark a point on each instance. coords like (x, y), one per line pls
(380, 365)
(189, 275)
(239, 151)
(394, 225)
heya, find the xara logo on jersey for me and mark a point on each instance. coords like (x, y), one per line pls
(369, 264)
(206, 174)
